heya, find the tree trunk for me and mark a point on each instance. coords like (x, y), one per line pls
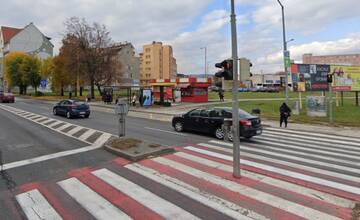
(75, 90)
(62, 91)
(99, 89)
(92, 89)
(25, 90)
(81, 91)
(21, 90)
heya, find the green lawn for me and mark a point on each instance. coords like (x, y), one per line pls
(347, 115)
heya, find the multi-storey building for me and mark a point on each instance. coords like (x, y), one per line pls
(129, 64)
(28, 40)
(157, 62)
(342, 59)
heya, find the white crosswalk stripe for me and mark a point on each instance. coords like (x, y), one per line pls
(99, 207)
(162, 207)
(36, 207)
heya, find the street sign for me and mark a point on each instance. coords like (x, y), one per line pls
(122, 108)
(287, 61)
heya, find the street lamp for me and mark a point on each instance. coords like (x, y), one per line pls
(286, 54)
(205, 49)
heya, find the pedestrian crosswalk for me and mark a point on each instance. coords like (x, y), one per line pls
(292, 178)
(285, 174)
(87, 135)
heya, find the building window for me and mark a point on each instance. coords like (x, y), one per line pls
(147, 50)
(148, 62)
(147, 56)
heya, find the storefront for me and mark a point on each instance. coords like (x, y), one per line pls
(194, 89)
(163, 90)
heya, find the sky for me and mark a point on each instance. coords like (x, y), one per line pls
(320, 27)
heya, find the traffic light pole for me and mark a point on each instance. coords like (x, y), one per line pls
(331, 105)
(235, 103)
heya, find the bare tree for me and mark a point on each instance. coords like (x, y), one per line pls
(93, 52)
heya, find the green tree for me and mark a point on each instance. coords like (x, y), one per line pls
(13, 73)
(30, 71)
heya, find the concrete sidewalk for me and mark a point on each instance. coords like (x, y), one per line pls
(167, 113)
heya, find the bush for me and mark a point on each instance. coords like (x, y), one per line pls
(38, 93)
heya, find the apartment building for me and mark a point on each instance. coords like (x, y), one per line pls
(157, 62)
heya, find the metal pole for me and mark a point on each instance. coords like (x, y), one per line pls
(205, 63)
(235, 104)
(331, 107)
(285, 49)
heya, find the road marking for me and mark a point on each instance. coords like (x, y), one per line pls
(337, 137)
(272, 181)
(87, 134)
(304, 142)
(49, 157)
(307, 167)
(74, 130)
(95, 204)
(143, 196)
(339, 186)
(248, 191)
(64, 126)
(102, 139)
(170, 132)
(217, 203)
(284, 155)
(340, 141)
(36, 207)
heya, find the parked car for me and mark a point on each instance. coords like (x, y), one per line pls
(7, 97)
(72, 108)
(210, 121)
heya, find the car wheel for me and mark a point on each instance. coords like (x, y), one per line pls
(68, 115)
(55, 111)
(179, 127)
(219, 133)
(248, 137)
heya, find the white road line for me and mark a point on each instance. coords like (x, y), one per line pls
(296, 158)
(95, 204)
(170, 132)
(39, 119)
(272, 181)
(282, 131)
(46, 121)
(102, 139)
(339, 186)
(87, 134)
(266, 198)
(330, 146)
(74, 130)
(36, 207)
(48, 157)
(340, 141)
(55, 124)
(143, 196)
(292, 148)
(217, 203)
(63, 127)
(286, 163)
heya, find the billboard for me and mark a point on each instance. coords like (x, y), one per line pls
(316, 106)
(345, 78)
(313, 77)
(309, 77)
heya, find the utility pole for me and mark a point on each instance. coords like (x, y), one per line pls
(286, 55)
(205, 67)
(235, 103)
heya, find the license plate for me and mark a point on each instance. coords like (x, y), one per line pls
(258, 132)
(82, 113)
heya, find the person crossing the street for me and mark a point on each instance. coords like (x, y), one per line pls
(285, 112)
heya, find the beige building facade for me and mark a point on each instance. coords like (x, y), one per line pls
(157, 62)
(344, 59)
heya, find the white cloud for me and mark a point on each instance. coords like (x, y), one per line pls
(347, 45)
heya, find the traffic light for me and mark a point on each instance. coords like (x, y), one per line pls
(329, 78)
(226, 69)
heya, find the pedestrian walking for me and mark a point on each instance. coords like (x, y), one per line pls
(134, 99)
(221, 95)
(285, 113)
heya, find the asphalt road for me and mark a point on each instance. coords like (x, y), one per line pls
(105, 120)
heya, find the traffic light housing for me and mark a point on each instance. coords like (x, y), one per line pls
(226, 69)
(329, 78)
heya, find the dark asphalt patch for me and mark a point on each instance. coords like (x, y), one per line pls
(68, 128)
(81, 132)
(59, 125)
(94, 137)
